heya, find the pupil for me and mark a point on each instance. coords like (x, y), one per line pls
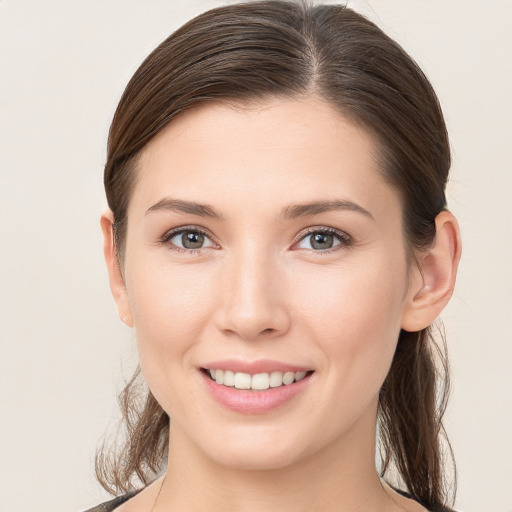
(321, 241)
(192, 240)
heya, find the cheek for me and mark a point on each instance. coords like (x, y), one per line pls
(169, 308)
(355, 316)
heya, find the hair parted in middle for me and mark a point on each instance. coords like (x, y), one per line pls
(245, 53)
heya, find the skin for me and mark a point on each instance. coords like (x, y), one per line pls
(258, 289)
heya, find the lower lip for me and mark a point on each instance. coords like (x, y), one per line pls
(254, 402)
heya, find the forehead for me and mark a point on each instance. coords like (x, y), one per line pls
(307, 124)
(266, 154)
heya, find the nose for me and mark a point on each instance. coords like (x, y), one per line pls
(253, 297)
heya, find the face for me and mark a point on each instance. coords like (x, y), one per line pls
(263, 241)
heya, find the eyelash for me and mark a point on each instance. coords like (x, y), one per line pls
(166, 239)
(345, 240)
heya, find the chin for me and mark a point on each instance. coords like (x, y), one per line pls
(256, 452)
(252, 461)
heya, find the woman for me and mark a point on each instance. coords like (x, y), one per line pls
(278, 238)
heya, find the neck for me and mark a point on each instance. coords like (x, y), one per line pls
(340, 477)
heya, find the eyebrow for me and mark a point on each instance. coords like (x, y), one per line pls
(180, 206)
(314, 208)
(293, 211)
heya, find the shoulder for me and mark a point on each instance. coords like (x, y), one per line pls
(110, 505)
(134, 501)
(403, 500)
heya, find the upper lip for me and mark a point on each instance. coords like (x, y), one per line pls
(253, 367)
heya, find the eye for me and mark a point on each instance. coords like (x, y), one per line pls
(188, 239)
(323, 240)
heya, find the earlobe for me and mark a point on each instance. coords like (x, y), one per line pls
(434, 279)
(117, 284)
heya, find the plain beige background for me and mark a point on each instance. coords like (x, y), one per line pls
(63, 67)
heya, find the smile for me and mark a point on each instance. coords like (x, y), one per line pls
(257, 381)
(255, 392)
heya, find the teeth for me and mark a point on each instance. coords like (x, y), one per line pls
(299, 376)
(276, 379)
(229, 378)
(288, 378)
(242, 381)
(259, 381)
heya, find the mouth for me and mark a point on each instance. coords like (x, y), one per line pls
(257, 381)
(258, 386)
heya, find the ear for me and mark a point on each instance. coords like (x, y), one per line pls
(115, 275)
(433, 281)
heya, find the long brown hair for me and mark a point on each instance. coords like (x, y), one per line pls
(247, 52)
